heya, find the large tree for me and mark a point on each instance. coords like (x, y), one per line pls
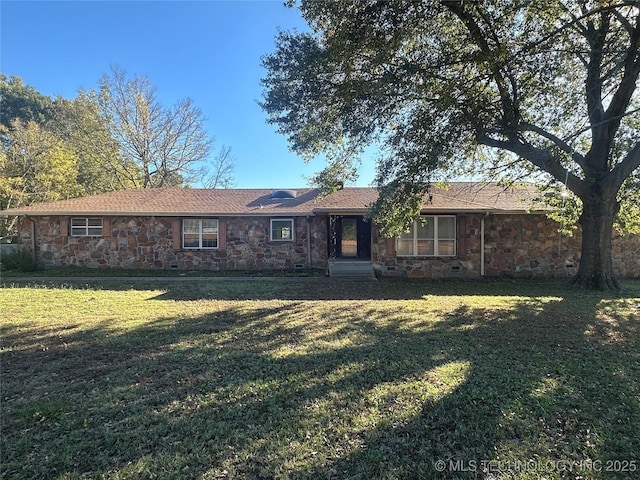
(100, 166)
(545, 86)
(35, 167)
(53, 148)
(22, 101)
(168, 145)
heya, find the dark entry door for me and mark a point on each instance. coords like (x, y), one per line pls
(349, 237)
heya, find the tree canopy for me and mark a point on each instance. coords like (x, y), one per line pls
(36, 167)
(543, 90)
(166, 145)
(23, 102)
(118, 137)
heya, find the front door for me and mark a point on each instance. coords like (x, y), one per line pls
(349, 236)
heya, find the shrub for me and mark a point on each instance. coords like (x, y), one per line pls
(20, 259)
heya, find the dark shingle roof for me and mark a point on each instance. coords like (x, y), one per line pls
(457, 197)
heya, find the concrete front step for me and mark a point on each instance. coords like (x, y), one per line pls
(356, 269)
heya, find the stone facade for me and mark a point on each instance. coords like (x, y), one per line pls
(155, 242)
(515, 245)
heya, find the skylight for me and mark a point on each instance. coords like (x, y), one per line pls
(283, 194)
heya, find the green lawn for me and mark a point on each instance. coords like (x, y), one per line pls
(317, 379)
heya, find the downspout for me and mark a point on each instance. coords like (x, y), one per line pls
(482, 273)
(33, 239)
(308, 241)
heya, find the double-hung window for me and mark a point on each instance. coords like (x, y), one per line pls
(86, 227)
(200, 233)
(282, 230)
(431, 236)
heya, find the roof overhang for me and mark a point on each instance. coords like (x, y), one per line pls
(341, 211)
(88, 213)
(258, 213)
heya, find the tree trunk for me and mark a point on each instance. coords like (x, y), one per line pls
(596, 264)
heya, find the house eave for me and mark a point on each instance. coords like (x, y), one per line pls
(432, 211)
(518, 212)
(259, 212)
(341, 211)
(87, 213)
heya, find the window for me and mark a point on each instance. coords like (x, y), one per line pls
(86, 227)
(282, 230)
(200, 233)
(429, 237)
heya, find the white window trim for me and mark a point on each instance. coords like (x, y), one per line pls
(436, 240)
(200, 247)
(293, 230)
(85, 227)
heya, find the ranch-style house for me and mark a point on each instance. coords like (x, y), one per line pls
(466, 230)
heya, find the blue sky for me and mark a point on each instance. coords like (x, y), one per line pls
(207, 50)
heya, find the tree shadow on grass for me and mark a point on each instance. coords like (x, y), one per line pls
(282, 391)
(311, 289)
(552, 392)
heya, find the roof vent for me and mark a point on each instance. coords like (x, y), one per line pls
(283, 194)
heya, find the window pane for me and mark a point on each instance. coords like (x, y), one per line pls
(404, 246)
(210, 240)
(197, 233)
(191, 240)
(191, 226)
(426, 230)
(82, 227)
(407, 235)
(210, 233)
(282, 230)
(209, 226)
(78, 222)
(447, 247)
(425, 247)
(446, 227)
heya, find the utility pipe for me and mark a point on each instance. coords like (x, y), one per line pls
(33, 238)
(482, 244)
(308, 241)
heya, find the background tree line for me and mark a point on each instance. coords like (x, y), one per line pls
(116, 136)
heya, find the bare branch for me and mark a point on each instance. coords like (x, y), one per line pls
(221, 172)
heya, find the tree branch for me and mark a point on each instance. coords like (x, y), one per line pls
(509, 109)
(622, 96)
(575, 22)
(561, 144)
(589, 127)
(593, 83)
(623, 169)
(541, 158)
